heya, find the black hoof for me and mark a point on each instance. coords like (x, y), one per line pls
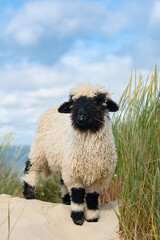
(77, 217)
(67, 203)
(29, 191)
(92, 220)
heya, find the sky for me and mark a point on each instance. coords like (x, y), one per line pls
(47, 47)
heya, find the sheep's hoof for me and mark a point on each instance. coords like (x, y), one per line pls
(29, 191)
(77, 217)
(92, 220)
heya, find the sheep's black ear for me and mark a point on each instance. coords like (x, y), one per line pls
(65, 107)
(112, 106)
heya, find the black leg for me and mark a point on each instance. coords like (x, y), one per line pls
(28, 166)
(66, 199)
(65, 194)
(92, 211)
(29, 191)
(77, 205)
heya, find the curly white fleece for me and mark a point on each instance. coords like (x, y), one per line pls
(83, 158)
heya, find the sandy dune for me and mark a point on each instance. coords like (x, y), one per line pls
(37, 220)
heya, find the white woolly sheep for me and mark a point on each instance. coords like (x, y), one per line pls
(76, 141)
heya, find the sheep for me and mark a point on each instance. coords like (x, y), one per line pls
(75, 140)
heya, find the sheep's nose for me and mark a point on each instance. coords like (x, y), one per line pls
(82, 115)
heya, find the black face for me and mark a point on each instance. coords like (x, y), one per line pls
(88, 113)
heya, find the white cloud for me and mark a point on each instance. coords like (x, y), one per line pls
(17, 99)
(16, 114)
(73, 68)
(28, 76)
(8, 100)
(43, 87)
(48, 93)
(108, 70)
(18, 135)
(63, 19)
(4, 116)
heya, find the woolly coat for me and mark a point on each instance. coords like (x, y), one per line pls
(83, 158)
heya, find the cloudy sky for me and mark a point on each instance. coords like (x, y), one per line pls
(48, 46)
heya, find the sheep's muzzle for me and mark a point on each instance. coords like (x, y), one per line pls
(82, 116)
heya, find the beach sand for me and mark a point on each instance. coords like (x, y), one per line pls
(37, 220)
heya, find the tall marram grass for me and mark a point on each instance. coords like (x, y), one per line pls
(49, 190)
(137, 134)
(9, 176)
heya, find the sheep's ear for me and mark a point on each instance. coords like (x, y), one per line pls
(112, 106)
(65, 107)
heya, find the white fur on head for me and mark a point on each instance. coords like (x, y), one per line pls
(87, 90)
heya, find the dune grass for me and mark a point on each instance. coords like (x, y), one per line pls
(137, 134)
(49, 190)
(136, 128)
(9, 175)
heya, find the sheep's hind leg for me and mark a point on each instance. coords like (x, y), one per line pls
(30, 180)
(77, 204)
(65, 194)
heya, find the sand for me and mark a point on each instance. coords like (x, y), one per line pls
(37, 220)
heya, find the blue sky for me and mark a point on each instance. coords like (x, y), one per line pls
(47, 47)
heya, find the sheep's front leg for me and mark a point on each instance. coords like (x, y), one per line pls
(77, 204)
(92, 211)
(65, 194)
